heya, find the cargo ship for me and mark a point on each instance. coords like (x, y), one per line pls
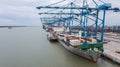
(88, 48)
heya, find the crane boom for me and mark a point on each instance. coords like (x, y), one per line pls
(102, 7)
(64, 13)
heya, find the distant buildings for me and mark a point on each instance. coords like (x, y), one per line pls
(115, 29)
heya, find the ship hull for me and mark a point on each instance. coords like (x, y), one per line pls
(90, 55)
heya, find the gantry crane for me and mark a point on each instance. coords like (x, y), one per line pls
(85, 14)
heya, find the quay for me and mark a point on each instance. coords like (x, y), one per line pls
(112, 51)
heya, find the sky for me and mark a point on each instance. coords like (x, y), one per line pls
(24, 12)
(19, 12)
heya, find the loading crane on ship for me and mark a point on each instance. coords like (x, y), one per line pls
(85, 14)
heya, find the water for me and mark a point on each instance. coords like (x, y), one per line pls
(29, 47)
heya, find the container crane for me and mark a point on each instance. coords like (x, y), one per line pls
(85, 12)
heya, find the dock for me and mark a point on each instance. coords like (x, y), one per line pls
(112, 51)
(90, 34)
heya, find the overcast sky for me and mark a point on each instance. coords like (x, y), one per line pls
(23, 12)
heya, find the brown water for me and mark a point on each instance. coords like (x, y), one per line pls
(29, 47)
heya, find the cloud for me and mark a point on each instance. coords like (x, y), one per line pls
(18, 12)
(24, 12)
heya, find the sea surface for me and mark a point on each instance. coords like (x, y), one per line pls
(29, 47)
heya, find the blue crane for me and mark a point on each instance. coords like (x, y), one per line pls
(85, 14)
